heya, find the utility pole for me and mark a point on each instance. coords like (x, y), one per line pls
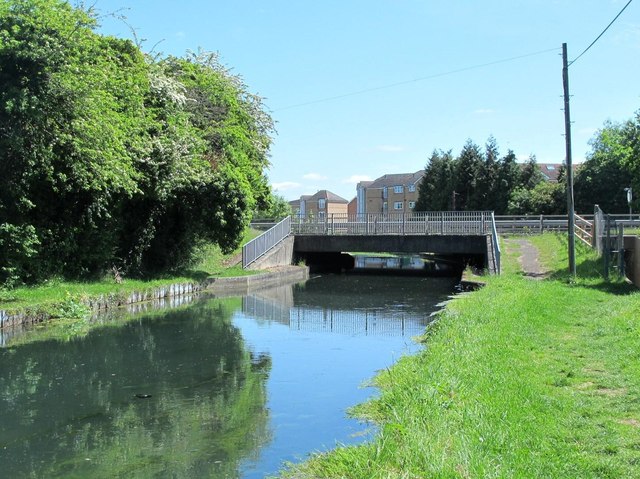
(567, 130)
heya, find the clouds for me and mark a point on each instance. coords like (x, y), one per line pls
(355, 179)
(285, 185)
(484, 111)
(314, 176)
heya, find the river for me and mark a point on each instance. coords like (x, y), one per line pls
(222, 388)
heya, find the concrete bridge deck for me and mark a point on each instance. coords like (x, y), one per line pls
(462, 237)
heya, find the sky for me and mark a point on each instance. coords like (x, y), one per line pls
(363, 88)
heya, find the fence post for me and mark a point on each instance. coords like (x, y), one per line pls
(596, 227)
(442, 222)
(620, 250)
(541, 224)
(607, 247)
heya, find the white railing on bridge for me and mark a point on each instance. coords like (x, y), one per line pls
(258, 246)
(418, 223)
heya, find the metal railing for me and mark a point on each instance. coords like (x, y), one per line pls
(529, 224)
(419, 223)
(496, 245)
(258, 246)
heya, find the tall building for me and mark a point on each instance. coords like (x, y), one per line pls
(395, 193)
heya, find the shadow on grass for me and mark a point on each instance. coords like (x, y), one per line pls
(590, 274)
(194, 275)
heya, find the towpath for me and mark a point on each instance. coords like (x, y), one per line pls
(528, 256)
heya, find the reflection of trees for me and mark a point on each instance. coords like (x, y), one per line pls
(70, 409)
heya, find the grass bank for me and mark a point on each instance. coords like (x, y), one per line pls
(521, 379)
(56, 292)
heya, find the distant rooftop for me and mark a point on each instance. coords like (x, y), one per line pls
(397, 179)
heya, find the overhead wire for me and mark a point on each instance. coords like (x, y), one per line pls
(602, 33)
(419, 79)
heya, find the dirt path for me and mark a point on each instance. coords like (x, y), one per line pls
(528, 258)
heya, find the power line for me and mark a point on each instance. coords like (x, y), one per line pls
(603, 32)
(415, 80)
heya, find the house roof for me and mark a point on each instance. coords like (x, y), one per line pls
(397, 179)
(326, 195)
(550, 170)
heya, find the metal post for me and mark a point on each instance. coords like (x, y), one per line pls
(607, 247)
(621, 250)
(567, 129)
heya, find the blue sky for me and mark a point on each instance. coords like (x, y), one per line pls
(414, 64)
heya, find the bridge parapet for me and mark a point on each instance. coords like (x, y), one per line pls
(419, 223)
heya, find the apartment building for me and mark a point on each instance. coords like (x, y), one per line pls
(321, 205)
(394, 193)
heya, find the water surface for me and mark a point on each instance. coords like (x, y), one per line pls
(223, 388)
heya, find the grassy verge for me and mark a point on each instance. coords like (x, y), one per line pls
(55, 292)
(521, 379)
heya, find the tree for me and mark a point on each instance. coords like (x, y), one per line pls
(546, 198)
(108, 156)
(278, 209)
(508, 176)
(477, 180)
(530, 174)
(611, 165)
(485, 192)
(437, 185)
(468, 169)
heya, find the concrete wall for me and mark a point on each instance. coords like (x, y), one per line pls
(167, 296)
(280, 255)
(439, 244)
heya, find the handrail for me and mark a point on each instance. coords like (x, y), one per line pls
(258, 246)
(415, 223)
(496, 244)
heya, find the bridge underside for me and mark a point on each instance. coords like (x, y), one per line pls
(327, 251)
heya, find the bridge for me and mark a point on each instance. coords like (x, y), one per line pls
(460, 237)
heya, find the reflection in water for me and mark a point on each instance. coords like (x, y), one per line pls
(71, 410)
(225, 388)
(328, 304)
(390, 262)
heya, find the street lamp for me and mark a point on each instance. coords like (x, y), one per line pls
(629, 193)
(453, 199)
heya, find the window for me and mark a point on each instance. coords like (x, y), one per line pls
(385, 192)
(321, 215)
(384, 206)
(398, 189)
(412, 188)
(321, 202)
(412, 205)
(397, 205)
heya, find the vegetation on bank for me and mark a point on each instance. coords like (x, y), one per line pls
(110, 157)
(522, 378)
(62, 299)
(480, 179)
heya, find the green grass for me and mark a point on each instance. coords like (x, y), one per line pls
(520, 379)
(212, 262)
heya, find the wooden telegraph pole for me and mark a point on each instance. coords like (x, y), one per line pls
(567, 130)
